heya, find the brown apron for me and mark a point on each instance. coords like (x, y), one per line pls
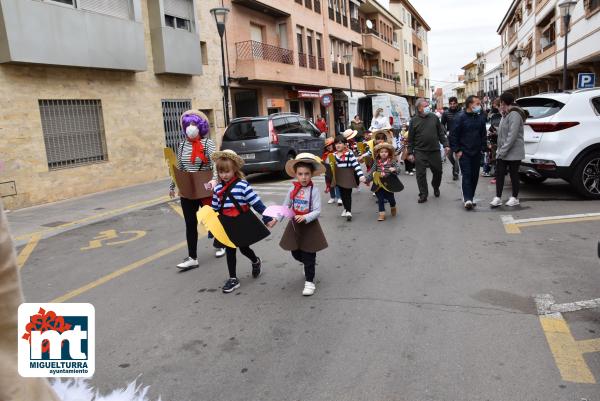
(191, 185)
(345, 177)
(307, 237)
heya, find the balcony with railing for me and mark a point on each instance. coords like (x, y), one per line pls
(377, 81)
(312, 61)
(253, 50)
(302, 60)
(321, 62)
(373, 42)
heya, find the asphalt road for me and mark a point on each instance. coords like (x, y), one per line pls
(435, 304)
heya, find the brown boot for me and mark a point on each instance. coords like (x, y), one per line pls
(394, 211)
(381, 216)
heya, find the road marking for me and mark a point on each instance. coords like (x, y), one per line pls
(567, 352)
(104, 236)
(513, 226)
(27, 250)
(120, 272)
(94, 217)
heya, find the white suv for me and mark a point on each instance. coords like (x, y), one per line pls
(562, 139)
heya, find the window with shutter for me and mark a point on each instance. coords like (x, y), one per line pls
(179, 14)
(116, 8)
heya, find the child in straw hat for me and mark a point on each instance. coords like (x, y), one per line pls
(345, 169)
(385, 165)
(333, 190)
(303, 235)
(232, 197)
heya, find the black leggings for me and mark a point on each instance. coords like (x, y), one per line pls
(309, 261)
(346, 195)
(232, 259)
(513, 168)
(189, 208)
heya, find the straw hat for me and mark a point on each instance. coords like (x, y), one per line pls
(319, 168)
(384, 145)
(228, 154)
(329, 141)
(350, 133)
(384, 130)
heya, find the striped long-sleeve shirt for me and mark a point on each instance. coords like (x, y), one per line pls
(348, 160)
(184, 153)
(243, 193)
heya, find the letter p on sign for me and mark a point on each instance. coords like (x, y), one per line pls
(586, 80)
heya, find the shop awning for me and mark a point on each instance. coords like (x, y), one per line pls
(354, 94)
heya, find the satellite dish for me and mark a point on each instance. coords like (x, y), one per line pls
(369, 24)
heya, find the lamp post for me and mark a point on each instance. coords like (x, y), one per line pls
(566, 7)
(220, 15)
(348, 60)
(518, 56)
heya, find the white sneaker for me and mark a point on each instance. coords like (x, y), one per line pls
(496, 202)
(407, 172)
(513, 202)
(469, 205)
(188, 263)
(219, 252)
(344, 213)
(309, 289)
(348, 216)
(411, 173)
(340, 203)
(330, 201)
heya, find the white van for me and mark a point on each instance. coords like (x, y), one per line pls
(395, 108)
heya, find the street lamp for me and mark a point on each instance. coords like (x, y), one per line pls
(348, 61)
(566, 7)
(518, 56)
(220, 15)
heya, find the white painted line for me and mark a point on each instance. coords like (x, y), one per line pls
(543, 303)
(550, 218)
(576, 306)
(507, 219)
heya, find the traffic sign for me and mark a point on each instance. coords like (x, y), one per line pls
(326, 100)
(586, 80)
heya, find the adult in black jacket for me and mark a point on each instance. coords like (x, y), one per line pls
(447, 121)
(468, 140)
(425, 134)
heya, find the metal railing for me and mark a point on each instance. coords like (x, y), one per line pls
(302, 59)
(341, 68)
(331, 14)
(253, 50)
(355, 24)
(334, 67)
(321, 62)
(359, 72)
(308, 3)
(312, 61)
(317, 4)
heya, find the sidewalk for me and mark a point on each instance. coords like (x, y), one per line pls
(50, 219)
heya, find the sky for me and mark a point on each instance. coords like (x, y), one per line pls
(459, 29)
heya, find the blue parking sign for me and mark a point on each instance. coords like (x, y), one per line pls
(586, 80)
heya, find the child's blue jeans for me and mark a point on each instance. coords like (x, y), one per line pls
(382, 196)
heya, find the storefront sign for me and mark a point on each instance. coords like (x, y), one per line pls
(276, 103)
(304, 94)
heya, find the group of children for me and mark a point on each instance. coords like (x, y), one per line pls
(233, 197)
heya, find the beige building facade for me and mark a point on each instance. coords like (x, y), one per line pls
(98, 118)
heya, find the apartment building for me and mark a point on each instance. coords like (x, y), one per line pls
(414, 70)
(536, 27)
(483, 76)
(91, 91)
(281, 53)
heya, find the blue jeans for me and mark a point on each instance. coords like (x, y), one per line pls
(469, 167)
(382, 196)
(334, 192)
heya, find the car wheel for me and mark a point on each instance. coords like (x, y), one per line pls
(586, 178)
(289, 157)
(531, 180)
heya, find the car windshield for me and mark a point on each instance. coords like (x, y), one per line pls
(246, 129)
(539, 107)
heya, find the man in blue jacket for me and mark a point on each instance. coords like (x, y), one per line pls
(468, 139)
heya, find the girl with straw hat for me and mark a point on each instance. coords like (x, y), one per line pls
(303, 235)
(384, 175)
(232, 198)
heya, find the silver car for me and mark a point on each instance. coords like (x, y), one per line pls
(267, 143)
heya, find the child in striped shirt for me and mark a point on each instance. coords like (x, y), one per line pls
(346, 168)
(233, 196)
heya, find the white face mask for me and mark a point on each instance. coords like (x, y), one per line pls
(192, 131)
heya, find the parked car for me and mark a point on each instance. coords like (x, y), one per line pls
(267, 143)
(562, 139)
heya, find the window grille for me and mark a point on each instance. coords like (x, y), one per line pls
(172, 110)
